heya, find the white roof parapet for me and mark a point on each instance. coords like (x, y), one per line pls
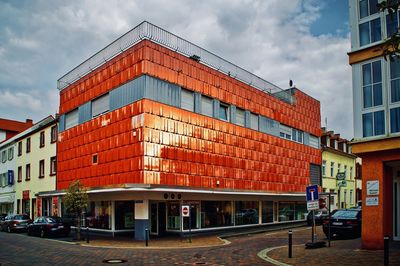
(148, 31)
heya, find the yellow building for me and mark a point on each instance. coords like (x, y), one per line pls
(339, 171)
(35, 168)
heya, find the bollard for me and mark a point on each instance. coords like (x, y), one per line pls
(146, 236)
(290, 243)
(386, 250)
(87, 234)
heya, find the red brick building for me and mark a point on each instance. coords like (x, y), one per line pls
(165, 123)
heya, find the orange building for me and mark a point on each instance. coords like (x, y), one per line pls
(376, 108)
(10, 128)
(164, 123)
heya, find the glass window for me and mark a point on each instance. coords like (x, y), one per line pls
(254, 121)
(224, 112)
(332, 169)
(187, 101)
(4, 156)
(41, 168)
(28, 172)
(206, 106)
(367, 125)
(100, 105)
(20, 148)
(53, 165)
(124, 215)
(374, 124)
(28, 145)
(246, 212)
(19, 174)
(173, 216)
(98, 214)
(216, 214)
(372, 84)
(194, 216)
(300, 211)
(10, 153)
(286, 211)
(323, 168)
(391, 24)
(42, 139)
(240, 117)
(368, 7)
(370, 32)
(345, 171)
(267, 212)
(71, 119)
(395, 120)
(351, 172)
(395, 81)
(53, 134)
(379, 123)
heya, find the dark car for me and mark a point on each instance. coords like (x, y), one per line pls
(345, 223)
(16, 222)
(320, 215)
(49, 226)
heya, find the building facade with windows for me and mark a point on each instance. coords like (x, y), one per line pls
(8, 129)
(7, 182)
(376, 101)
(339, 171)
(35, 169)
(164, 123)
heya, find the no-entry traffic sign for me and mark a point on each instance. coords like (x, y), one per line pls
(185, 210)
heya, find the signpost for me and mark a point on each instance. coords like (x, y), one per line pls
(186, 213)
(312, 204)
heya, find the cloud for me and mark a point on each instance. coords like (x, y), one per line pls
(40, 41)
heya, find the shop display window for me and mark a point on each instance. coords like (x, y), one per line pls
(124, 215)
(216, 214)
(98, 215)
(246, 212)
(267, 212)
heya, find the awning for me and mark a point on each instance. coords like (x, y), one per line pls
(7, 198)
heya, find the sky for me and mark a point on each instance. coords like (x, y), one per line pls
(303, 40)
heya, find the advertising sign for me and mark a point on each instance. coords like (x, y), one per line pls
(10, 174)
(373, 187)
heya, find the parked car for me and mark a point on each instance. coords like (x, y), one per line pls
(16, 222)
(320, 215)
(2, 219)
(49, 226)
(346, 223)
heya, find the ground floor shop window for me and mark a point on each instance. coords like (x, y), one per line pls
(46, 206)
(124, 215)
(26, 207)
(300, 211)
(286, 211)
(246, 212)
(98, 214)
(194, 216)
(173, 216)
(216, 213)
(267, 211)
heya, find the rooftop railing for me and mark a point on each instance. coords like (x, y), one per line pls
(148, 31)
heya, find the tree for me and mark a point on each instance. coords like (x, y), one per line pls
(75, 202)
(391, 46)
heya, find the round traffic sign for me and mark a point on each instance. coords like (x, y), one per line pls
(185, 211)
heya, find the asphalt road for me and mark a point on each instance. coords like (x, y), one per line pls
(20, 249)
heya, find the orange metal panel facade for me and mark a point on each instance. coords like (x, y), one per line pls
(181, 148)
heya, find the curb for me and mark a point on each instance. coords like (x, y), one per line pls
(263, 255)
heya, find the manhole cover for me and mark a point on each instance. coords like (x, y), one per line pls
(114, 261)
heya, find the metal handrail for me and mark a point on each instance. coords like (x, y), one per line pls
(148, 31)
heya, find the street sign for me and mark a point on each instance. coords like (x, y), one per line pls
(312, 193)
(185, 210)
(373, 187)
(312, 205)
(371, 201)
(342, 183)
(341, 176)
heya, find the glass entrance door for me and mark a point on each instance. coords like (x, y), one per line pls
(396, 208)
(154, 218)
